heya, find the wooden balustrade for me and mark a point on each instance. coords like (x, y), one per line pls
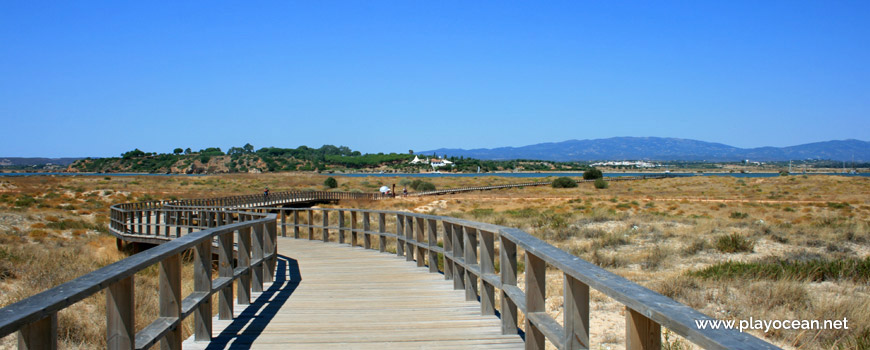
(482, 260)
(35, 318)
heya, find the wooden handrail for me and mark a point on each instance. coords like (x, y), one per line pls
(468, 256)
(36, 317)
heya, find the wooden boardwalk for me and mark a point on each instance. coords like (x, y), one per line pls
(328, 296)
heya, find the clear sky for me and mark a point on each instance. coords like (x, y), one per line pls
(98, 78)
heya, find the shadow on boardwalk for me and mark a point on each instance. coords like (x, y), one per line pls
(245, 328)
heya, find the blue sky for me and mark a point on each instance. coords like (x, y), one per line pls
(95, 78)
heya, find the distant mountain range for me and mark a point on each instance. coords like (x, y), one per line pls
(665, 149)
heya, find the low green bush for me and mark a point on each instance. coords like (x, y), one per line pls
(815, 270)
(564, 182)
(600, 183)
(592, 174)
(330, 182)
(734, 243)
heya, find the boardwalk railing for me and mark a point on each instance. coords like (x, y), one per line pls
(481, 258)
(159, 221)
(35, 318)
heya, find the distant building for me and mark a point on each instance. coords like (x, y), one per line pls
(434, 162)
(637, 164)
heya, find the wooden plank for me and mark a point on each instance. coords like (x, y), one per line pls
(243, 286)
(448, 250)
(170, 299)
(641, 333)
(508, 272)
(400, 234)
(470, 258)
(576, 314)
(257, 239)
(432, 241)
(536, 288)
(382, 228)
(341, 228)
(202, 284)
(120, 315)
(41, 334)
(225, 270)
(367, 226)
(487, 266)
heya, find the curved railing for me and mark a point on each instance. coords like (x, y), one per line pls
(159, 221)
(469, 251)
(35, 318)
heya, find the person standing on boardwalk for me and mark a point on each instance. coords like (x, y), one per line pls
(266, 194)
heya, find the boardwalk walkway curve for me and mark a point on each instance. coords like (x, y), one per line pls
(479, 258)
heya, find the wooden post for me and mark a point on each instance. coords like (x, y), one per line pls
(487, 266)
(296, 224)
(243, 287)
(641, 332)
(421, 250)
(458, 246)
(310, 224)
(170, 299)
(409, 237)
(448, 250)
(270, 247)
(536, 289)
(259, 241)
(325, 230)
(382, 228)
(470, 251)
(400, 234)
(202, 283)
(120, 315)
(178, 224)
(353, 233)
(41, 334)
(166, 223)
(156, 223)
(189, 221)
(432, 241)
(576, 313)
(508, 271)
(148, 222)
(341, 230)
(225, 269)
(367, 227)
(283, 223)
(139, 221)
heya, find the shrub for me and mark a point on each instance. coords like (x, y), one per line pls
(600, 183)
(734, 243)
(330, 182)
(592, 174)
(738, 215)
(816, 270)
(564, 182)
